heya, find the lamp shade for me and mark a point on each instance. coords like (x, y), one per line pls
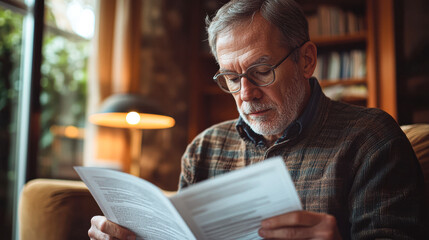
(131, 111)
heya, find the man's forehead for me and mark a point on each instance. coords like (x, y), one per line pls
(249, 62)
(245, 50)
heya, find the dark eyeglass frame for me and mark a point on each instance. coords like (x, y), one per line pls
(272, 67)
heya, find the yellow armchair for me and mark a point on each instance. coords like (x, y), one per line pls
(55, 209)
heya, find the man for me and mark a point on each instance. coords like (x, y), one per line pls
(354, 169)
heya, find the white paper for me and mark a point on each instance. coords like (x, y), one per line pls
(233, 205)
(230, 206)
(135, 204)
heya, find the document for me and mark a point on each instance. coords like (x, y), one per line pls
(229, 206)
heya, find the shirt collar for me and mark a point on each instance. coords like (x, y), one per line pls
(295, 128)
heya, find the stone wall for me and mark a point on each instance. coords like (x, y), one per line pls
(164, 70)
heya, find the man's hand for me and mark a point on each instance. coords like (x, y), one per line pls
(103, 229)
(300, 225)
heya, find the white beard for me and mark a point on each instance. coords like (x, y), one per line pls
(284, 114)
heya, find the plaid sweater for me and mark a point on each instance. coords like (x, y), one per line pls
(351, 162)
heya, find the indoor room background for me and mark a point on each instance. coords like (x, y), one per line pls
(60, 59)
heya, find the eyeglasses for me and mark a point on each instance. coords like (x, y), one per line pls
(260, 75)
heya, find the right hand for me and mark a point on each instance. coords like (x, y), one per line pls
(103, 229)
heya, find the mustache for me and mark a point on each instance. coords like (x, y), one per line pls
(251, 107)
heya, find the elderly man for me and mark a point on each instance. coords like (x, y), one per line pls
(354, 169)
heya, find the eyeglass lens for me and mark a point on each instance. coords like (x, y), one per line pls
(260, 75)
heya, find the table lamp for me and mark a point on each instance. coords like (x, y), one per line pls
(134, 112)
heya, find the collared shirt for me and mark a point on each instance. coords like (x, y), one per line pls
(351, 162)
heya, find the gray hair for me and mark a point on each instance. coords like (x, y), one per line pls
(286, 15)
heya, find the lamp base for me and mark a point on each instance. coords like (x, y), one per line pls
(136, 144)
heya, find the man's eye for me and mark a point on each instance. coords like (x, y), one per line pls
(263, 73)
(232, 78)
(260, 73)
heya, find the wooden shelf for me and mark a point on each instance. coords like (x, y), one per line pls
(321, 41)
(355, 100)
(344, 82)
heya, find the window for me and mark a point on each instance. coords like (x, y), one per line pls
(11, 27)
(69, 26)
(53, 102)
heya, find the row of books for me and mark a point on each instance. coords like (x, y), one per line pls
(334, 66)
(332, 20)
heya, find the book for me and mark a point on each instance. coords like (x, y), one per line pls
(229, 206)
(334, 68)
(329, 20)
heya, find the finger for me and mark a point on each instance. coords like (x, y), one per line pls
(111, 229)
(296, 219)
(96, 234)
(300, 224)
(299, 233)
(286, 233)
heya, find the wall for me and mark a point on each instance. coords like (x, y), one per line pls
(413, 60)
(163, 78)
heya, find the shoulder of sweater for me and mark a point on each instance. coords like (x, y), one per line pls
(350, 112)
(370, 121)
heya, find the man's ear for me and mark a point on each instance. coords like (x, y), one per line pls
(309, 55)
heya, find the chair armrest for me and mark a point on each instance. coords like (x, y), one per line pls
(418, 134)
(55, 209)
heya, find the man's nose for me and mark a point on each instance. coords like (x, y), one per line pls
(249, 91)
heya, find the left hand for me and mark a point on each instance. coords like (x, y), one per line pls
(300, 225)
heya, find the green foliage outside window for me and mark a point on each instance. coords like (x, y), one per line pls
(10, 55)
(63, 99)
(64, 84)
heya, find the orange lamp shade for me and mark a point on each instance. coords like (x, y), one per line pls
(131, 111)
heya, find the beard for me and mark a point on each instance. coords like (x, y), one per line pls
(284, 114)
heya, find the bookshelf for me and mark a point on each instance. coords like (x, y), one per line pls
(370, 36)
(373, 37)
(340, 32)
